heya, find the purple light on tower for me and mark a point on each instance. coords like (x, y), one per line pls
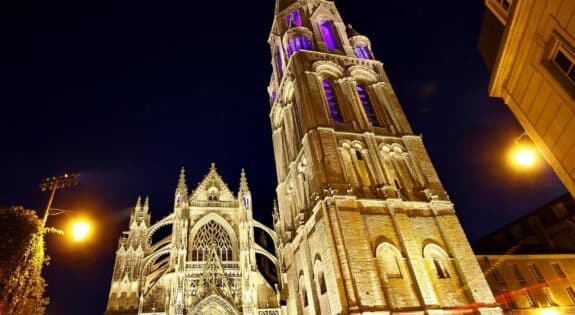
(362, 52)
(297, 18)
(327, 34)
(332, 105)
(366, 102)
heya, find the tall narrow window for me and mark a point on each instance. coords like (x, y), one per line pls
(442, 272)
(279, 64)
(518, 275)
(536, 272)
(530, 299)
(294, 19)
(332, 104)
(367, 106)
(558, 271)
(328, 34)
(297, 18)
(362, 52)
(571, 294)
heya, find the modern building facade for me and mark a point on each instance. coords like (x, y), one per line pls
(532, 284)
(529, 47)
(364, 224)
(205, 265)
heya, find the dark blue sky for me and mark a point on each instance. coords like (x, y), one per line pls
(127, 92)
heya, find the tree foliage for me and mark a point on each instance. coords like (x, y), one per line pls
(21, 259)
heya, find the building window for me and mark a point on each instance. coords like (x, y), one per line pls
(437, 257)
(328, 34)
(442, 272)
(565, 63)
(497, 275)
(518, 275)
(294, 19)
(536, 272)
(558, 271)
(297, 43)
(530, 299)
(212, 238)
(362, 52)
(548, 299)
(279, 64)
(331, 98)
(571, 294)
(505, 4)
(303, 292)
(389, 258)
(367, 105)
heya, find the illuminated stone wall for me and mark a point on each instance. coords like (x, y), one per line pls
(363, 221)
(208, 262)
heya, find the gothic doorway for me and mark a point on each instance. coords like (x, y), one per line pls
(214, 305)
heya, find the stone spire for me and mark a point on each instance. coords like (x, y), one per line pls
(244, 182)
(138, 206)
(182, 187)
(146, 205)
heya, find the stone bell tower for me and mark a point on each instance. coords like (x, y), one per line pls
(364, 223)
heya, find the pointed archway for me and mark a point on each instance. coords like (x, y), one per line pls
(214, 305)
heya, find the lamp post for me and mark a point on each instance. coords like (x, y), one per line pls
(52, 184)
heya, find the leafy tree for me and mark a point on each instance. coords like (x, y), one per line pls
(21, 259)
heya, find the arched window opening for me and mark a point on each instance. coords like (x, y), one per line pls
(438, 260)
(390, 259)
(294, 18)
(332, 103)
(328, 34)
(318, 270)
(303, 292)
(297, 43)
(212, 237)
(367, 105)
(362, 52)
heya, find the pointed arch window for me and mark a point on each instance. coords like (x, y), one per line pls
(390, 259)
(212, 237)
(367, 104)
(294, 18)
(332, 103)
(438, 259)
(328, 34)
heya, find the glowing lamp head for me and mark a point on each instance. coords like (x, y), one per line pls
(80, 230)
(524, 157)
(549, 311)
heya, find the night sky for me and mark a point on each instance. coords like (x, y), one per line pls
(127, 92)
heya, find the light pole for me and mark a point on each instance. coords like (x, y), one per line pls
(52, 184)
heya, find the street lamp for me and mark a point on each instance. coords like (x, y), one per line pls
(52, 184)
(524, 152)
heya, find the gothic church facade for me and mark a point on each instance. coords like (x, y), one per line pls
(363, 224)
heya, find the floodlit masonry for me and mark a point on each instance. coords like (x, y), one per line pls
(363, 224)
